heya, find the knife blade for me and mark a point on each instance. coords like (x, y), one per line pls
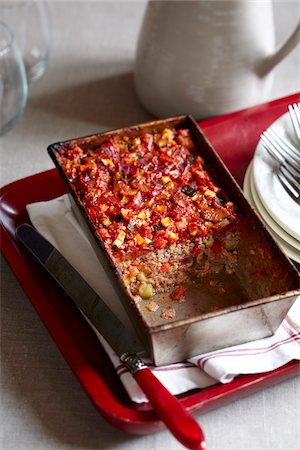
(177, 419)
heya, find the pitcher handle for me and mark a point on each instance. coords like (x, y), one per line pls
(271, 61)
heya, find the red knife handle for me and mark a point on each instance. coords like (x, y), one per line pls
(177, 419)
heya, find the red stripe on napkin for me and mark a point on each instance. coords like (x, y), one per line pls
(250, 352)
(292, 324)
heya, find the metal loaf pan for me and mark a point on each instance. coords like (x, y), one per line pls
(258, 295)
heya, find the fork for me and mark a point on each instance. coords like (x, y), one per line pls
(294, 111)
(288, 161)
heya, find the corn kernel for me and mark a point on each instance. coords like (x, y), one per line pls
(162, 142)
(139, 239)
(125, 212)
(106, 222)
(166, 221)
(126, 281)
(165, 179)
(170, 185)
(108, 162)
(120, 239)
(124, 200)
(142, 215)
(173, 236)
(168, 134)
(160, 208)
(129, 159)
(103, 208)
(117, 243)
(209, 193)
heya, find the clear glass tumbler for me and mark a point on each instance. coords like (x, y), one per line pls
(13, 83)
(29, 20)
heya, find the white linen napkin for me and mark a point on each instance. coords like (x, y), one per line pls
(56, 222)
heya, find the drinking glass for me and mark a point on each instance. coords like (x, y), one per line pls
(13, 83)
(29, 20)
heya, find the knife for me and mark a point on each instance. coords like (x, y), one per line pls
(176, 418)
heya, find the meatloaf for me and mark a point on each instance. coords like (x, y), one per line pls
(157, 209)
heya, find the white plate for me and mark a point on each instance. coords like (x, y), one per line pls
(290, 250)
(280, 206)
(268, 219)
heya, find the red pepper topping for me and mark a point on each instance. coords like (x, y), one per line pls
(147, 192)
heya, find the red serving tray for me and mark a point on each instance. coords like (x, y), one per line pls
(234, 136)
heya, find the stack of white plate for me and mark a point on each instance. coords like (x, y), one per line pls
(263, 190)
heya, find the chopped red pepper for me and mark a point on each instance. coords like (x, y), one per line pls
(165, 266)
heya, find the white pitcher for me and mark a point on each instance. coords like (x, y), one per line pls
(207, 57)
